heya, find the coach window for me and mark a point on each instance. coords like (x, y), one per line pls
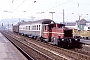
(26, 27)
(88, 27)
(29, 27)
(39, 27)
(35, 27)
(32, 27)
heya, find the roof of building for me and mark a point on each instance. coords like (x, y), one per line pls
(81, 22)
(70, 24)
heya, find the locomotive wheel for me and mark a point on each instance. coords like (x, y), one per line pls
(37, 38)
(41, 39)
(63, 44)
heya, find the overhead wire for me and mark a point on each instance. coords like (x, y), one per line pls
(9, 11)
(59, 5)
(16, 7)
(35, 2)
(56, 6)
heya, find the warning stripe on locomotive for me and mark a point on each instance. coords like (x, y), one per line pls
(54, 32)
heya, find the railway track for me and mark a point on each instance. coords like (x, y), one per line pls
(86, 47)
(53, 51)
(31, 49)
(82, 51)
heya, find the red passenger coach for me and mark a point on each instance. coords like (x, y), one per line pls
(58, 34)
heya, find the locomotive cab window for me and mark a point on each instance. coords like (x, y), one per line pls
(45, 27)
(61, 26)
(50, 26)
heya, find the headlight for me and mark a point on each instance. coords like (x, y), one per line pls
(76, 39)
(70, 41)
(62, 39)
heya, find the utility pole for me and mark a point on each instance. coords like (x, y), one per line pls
(79, 17)
(8, 26)
(2, 24)
(78, 13)
(63, 17)
(52, 14)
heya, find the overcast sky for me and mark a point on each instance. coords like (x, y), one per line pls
(28, 8)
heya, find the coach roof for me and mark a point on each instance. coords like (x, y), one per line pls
(42, 21)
